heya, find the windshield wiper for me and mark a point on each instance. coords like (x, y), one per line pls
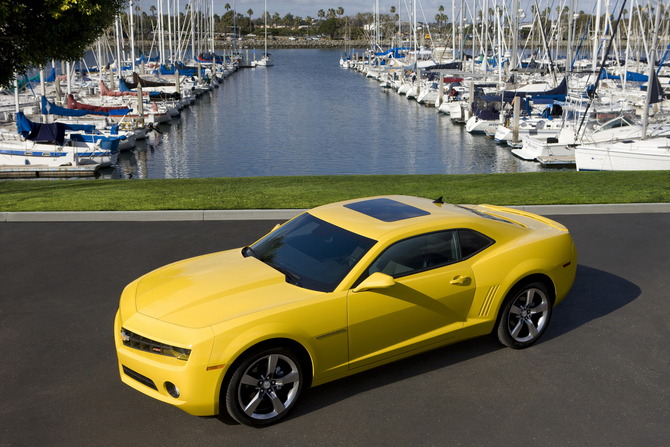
(290, 276)
(246, 251)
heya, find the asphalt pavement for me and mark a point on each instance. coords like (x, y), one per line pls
(599, 376)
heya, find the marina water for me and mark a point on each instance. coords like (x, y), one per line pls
(308, 116)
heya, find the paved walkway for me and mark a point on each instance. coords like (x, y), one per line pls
(194, 215)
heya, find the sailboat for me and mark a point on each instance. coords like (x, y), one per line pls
(266, 60)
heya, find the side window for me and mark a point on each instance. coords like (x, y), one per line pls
(417, 253)
(472, 242)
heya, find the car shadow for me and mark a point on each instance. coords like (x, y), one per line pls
(594, 294)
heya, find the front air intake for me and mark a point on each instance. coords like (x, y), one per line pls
(139, 377)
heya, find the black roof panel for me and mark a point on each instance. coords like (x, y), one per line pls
(386, 210)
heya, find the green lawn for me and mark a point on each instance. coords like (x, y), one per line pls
(539, 188)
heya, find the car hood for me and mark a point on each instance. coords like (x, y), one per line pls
(210, 289)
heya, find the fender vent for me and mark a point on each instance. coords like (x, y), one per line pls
(486, 305)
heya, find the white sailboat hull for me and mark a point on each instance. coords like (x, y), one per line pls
(647, 155)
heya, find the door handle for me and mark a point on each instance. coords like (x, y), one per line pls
(460, 279)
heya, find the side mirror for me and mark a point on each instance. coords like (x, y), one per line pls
(377, 280)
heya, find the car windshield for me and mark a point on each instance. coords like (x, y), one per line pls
(312, 253)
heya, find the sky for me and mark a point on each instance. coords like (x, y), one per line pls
(304, 8)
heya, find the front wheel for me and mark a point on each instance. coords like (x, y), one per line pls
(524, 315)
(264, 387)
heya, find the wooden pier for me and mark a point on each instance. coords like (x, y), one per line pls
(557, 161)
(44, 171)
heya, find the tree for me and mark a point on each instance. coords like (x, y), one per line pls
(34, 32)
(276, 18)
(287, 20)
(250, 12)
(227, 7)
(321, 14)
(329, 27)
(340, 12)
(331, 13)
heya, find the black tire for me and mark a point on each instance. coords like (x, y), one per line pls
(524, 315)
(264, 386)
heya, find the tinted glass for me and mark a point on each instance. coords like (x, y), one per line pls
(386, 210)
(472, 242)
(416, 254)
(318, 253)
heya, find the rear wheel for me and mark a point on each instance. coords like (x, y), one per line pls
(524, 315)
(264, 387)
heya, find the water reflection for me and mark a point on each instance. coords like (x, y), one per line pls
(305, 116)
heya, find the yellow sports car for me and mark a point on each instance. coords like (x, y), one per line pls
(337, 290)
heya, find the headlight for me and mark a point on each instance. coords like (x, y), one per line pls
(135, 341)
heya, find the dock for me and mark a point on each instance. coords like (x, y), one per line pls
(44, 171)
(557, 161)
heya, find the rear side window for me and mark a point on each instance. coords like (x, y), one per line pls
(472, 242)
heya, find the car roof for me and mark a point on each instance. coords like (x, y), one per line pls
(373, 217)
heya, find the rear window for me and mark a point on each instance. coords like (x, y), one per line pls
(472, 242)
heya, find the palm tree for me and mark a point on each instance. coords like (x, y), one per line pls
(227, 7)
(276, 18)
(296, 22)
(331, 13)
(250, 12)
(340, 12)
(321, 14)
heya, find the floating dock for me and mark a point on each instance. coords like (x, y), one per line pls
(557, 161)
(44, 171)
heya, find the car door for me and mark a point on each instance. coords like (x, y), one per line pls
(428, 302)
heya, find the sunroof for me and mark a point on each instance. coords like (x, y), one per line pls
(386, 210)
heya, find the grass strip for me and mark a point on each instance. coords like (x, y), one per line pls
(538, 188)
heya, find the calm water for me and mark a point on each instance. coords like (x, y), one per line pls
(305, 116)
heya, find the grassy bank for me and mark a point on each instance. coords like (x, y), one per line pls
(561, 187)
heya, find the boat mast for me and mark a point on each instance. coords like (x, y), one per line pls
(132, 36)
(460, 36)
(119, 62)
(568, 60)
(191, 10)
(266, 28)
(211, 13)
(652, 74)
(453, 29)
(596, 38)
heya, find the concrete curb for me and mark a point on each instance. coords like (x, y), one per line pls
(147, 216)
(195, 215)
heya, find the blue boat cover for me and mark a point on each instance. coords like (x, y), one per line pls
(630, 76)
(607, 75)
(183, 70)
(395, 52)
(49, 108)
(144, 58)
(636, 77)
(557, 93)
(38, 132)
(52, 76)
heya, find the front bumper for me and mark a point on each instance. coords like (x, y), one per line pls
(150, 373)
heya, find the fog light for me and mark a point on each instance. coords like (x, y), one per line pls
(172, 389)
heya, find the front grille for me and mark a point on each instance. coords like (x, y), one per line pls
(139, 377)
(136, 341)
